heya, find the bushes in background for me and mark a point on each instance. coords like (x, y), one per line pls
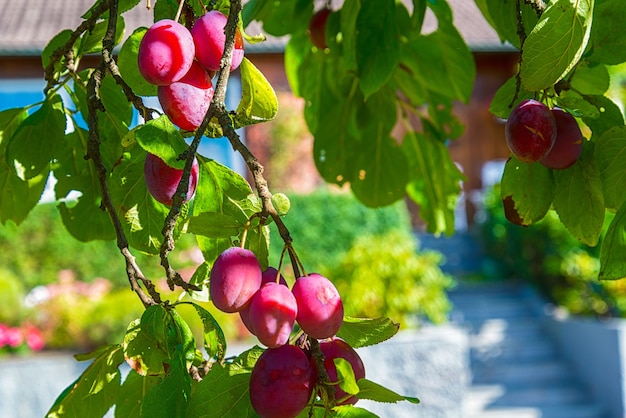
(548, 256)
(370, 254)
(78, 293)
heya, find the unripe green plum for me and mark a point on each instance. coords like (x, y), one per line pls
(320, 309)
(209, 39)
(186, 101)
(281, 382)
(530, 131)
(235, 278)
(569, 142)
(165, 52)
(162, 180)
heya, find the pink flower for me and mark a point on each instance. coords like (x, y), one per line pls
(34, 338)
(14, 337)
(3, 335)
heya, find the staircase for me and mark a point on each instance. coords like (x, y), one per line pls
(517, 371)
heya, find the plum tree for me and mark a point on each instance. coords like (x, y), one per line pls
(209, 39)
(568, 144)
(320, 309)
(281, 382)
(337, 348)
(165, 53)
(382, 70)
(272, 314)
(162, 180)
(235, 278)
(187, 100)
(530, 131)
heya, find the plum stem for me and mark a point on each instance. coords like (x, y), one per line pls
(179, 11)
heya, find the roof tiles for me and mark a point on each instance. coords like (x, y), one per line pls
(26, 26)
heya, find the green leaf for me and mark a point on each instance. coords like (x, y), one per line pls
(216, 225)
(362, 332)
(609, 115)
(214, 339)
(612, 260)
(348, 24)
(142, 352)
(212, 247)
(502, 16)
(17, 196)
(378, 393)
(578, 198)
(95, 391)
(56, 42)
(83, 218)
(377, 36)
(556, 43)
(115, 102)
(284, 17)
(258, 102)
(610, 156)
(345, 376)
(335, 143)
(577, 105)
(435, 183)
(217, 185)
(221, 394)
(591, 79)
(91, 42)
(608, 34)
(127, 63)
(134, 390)
(258, 242)
(124, 6)
(530, 186)
(502, 103)
(349, 411)
(161, 138)
(244, 362)
(44, 131)
(170, 396)
(381, 171)
(200, 278)
(442, 61)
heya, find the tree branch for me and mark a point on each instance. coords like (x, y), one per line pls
(94, 104)
(86, 26)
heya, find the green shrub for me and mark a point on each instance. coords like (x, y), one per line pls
(11, 298)
(40, 247)
(324, 225)
(551, 259)
(386, 276)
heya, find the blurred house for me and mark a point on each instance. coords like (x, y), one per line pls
(27, 25)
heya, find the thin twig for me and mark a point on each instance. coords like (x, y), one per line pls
(86, 26)
(94, 104)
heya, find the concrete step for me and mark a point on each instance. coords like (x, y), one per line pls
(522, 373)
(517, 371)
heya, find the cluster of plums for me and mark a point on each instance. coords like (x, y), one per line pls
(284, 377)
(181, 63)
(535, 132)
